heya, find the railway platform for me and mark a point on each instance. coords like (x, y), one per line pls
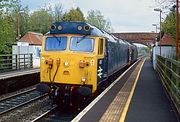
(17, 73)
(136, 96)
(18, 79)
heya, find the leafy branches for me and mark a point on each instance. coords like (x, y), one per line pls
(74, 15)
(97, 19)
(39, 20)
(169, 24)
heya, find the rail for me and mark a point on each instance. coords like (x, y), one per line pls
(18, 100)
(15, 62)
(169, 71)
(44, 114)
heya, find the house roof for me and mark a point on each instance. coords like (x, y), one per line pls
(166, 40)
(32, 38)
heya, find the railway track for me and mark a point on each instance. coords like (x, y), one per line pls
(39, 118)
(18, 100)
(41, 111)
(58, 114)
(55, 114)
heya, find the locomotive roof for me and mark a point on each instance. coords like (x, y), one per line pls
(80, 28)
(76, 28)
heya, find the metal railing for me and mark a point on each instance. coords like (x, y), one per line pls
(169, 71)
(10, 62)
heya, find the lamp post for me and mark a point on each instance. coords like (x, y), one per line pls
(155, 26)
(177, 31)
(160, 11)
(19, 35)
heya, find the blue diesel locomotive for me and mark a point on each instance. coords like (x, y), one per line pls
(77, 58)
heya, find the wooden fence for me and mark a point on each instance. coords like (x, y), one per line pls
(15, 62)
(169, 71)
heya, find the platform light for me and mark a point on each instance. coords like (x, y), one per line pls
(155, 26)
(160, 11)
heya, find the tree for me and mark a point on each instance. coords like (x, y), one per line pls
(97, 19)
(23, 14)
(58, 9)
(143, 50)
(169, 24)
(73, 15)
(7, 31)
(7, 34)
(7, 5)
(40, 21)
(165, 5)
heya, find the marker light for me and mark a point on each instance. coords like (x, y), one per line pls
(81, 63)
(60, 27)
(53, 27)
(79, 28)
(50, 62)
(58, 61)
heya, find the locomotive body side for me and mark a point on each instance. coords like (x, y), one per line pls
(117, 55)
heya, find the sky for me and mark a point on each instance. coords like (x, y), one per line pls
(124, 15)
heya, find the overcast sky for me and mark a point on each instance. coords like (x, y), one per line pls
(125, 15)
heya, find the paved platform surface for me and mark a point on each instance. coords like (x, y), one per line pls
(150, 102)
(16, 73)
(94, 113)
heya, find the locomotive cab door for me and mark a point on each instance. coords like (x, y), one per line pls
(101, 68)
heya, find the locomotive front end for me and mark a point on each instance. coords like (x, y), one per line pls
(68, 60)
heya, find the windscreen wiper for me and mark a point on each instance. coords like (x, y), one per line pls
(59, 39)
(81, 39)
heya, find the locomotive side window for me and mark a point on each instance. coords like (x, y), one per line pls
(100, 46)
(55, 43)
(82, 44)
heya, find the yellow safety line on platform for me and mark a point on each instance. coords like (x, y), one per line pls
(123, 116)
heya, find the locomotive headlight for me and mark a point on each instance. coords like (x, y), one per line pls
(83, 79)
(53, 27)
(66, 63)
(86, 27)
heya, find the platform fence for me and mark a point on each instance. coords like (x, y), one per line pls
(169, 71)
(9, 62)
